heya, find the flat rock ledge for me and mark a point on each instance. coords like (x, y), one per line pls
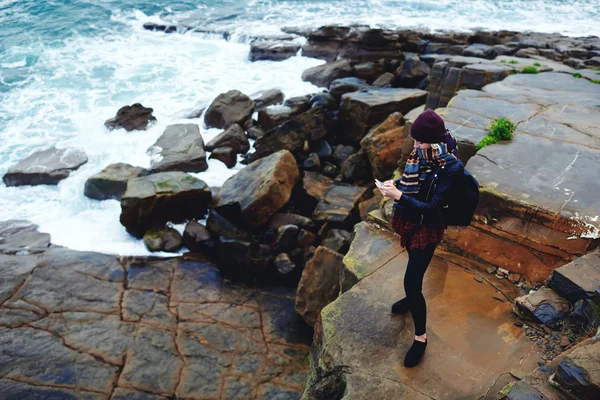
(359, 346)
(82, 325)
(539, 204)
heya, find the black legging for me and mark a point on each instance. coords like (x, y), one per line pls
(418, 261)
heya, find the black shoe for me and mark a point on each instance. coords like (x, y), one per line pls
(401, 306)
(413, 357)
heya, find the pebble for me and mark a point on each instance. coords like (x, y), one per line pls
(519, 324)
(478, 278)
(547, 330)
(564, 341)
(514, 278)
(491, 270)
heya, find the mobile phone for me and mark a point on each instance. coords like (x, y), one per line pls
(378, 182)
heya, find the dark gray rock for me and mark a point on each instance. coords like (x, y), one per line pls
(298, 104)
(111, 182)
(325, 101)
(233, 137)
(544, 306)
(410, 73)
(312, 163)
(226, 155)
(180, 148)
(229, 108)
(132, 118)
(329, 170)
(285, 238)
(342, 86)
(384, 80)
(337, 240)
(578, 372)
(579, 279)
(323, 75)
(368, 71)
(267, 98)
(221, 226)
(342, 152)
(273, 50)
(22, 237)
(254, 132)
(46, 167)
(283, 264)
(322, 149)
(356, 167)
(197, 237)
(167, 239)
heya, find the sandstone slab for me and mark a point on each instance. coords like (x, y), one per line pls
(579, 372)
(153, 200)
(22, 237)
(360, 111)
(180, 148)
(383, 145)
(323, 75)
(544, 306)
(45, 167)
(258, 191)
(339, 205)
(234, 137)
(580, 279)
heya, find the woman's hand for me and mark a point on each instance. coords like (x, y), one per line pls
(390, 190)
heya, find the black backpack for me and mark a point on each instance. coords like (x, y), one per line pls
(462, 201)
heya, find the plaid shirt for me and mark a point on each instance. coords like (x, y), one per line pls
(414, 235)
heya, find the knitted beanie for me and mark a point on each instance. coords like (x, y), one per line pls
(428, 128)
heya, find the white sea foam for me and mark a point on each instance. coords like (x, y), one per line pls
(76, 87)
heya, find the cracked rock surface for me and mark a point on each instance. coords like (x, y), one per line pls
(82, 325)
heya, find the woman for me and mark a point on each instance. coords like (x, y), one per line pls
(419, 196)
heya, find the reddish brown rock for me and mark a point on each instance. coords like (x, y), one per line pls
(383, 145)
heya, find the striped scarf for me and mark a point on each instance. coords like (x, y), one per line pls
(421, 162)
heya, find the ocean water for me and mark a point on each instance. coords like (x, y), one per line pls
(67, 66)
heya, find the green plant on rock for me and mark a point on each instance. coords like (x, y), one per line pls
(537, 64)
(513, 62)
(596, 81)
(576, 75)
(503, 61)
(530, 70)
(499, 129)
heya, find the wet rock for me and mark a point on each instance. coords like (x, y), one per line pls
(267, 98)
(383, 146)
(306, 239)
(22, 237)
(579, 279)
(180, 148)
(298, 104)
(578, 372)
(280, 219)
(360, 111)
(111, 182)
(514, 278)
(20, 390)
(153, 200)
(312, 163)
(229, 108)
(544, 306)
(329, 170)
(316, 185)
(292, 134)
(46, 167)
(273, 50)
(221, 226)
(369, 71)
(325, 101)
(384, 80)
(356, 168)
(167, 239)
(322, 149)
(520, 390)
(342, 86)
(226, 155)
(283, 264)
(256, 192)
(254, 132)
(372, 204)
(319, 284)
(339, 205)
(337, 240)
(197, 237)
(448, 77)
(285, 238)
(233, 137)
(323, 75)
(275, 116)
(342, 152)
(410, 73)
(132, 118)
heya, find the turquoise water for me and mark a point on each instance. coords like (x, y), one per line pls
(67, 66)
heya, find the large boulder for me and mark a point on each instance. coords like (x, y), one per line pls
(342, 86)
(258, 191)
(316, 185)
(132, 118)
(383, 145)
(292, 135)
(233, 137)
(339, 205)
(229, 108)
(319, 285)
(410, 73)
(356, 168)
(273, 50)
(579, 279)
(360, 111)
(323, 75)
(111, 182)
(46, 167)
(275, 116)
(153, 200)
(226, 155)
(369, 71)
(180, 148)
(544, 306)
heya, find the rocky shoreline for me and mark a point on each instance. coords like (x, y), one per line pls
(292, 216)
